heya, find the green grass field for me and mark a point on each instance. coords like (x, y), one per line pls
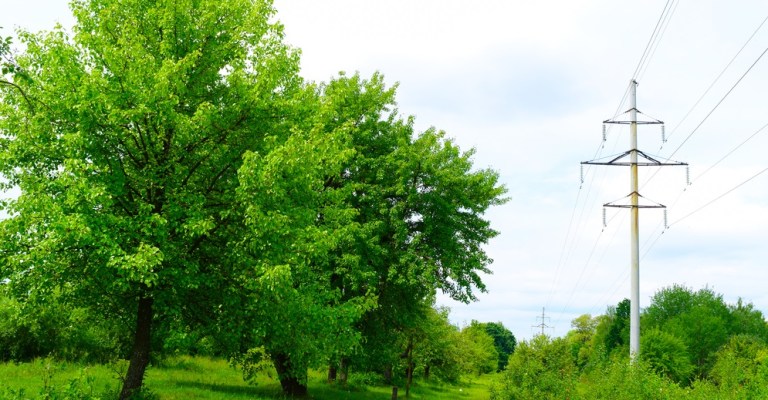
(198, 378)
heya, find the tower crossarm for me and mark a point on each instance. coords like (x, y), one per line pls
(648, 161)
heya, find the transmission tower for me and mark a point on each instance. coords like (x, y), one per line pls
(634, 205)
(543, 324)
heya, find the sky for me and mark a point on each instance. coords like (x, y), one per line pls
(527, 84)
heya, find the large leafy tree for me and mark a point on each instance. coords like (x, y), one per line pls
(666, 354)
(372, 219)
(700, 319)
(175, 171)
(503, 340)
(289, 306)
(419, 211)
(480, 349)
(125, 141)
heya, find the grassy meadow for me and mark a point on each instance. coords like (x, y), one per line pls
(187, 377)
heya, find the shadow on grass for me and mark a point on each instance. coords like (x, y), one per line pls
(274, 392)
(231, 389)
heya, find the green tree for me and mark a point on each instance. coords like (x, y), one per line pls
(612, 330)
(125, 141)
(55, 329)
(479, 349)
(539, 368)
(9, 70)
(740, 369)
(294, 222)
(503, 340)
(580, 337)
(173, 164)
(666, 354)
(700, 319)
(745, 320)
(440, 353)
(417, 222)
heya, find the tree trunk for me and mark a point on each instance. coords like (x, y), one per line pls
(409, 369)
(409, 377)
(343, 370)
(332, 372)
(141, 348)
(290, 376)
(426, 372)
(388, 374)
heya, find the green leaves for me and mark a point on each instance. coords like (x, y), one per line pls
(539, 368)
(666, 354)
(168, 154)
(125, 143)
(140, 266)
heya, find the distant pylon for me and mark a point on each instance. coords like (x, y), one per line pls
(543, 324)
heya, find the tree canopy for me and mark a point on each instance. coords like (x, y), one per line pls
(177, 173)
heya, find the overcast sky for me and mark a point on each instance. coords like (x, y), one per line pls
(528, 84)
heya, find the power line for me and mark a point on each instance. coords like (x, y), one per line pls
(665, 18)
(606, 247)
(645, 58)
(711, 85)
(718, 104)
(728, 154)
(710, 112)
(648, 247)
(634, 206)
(653, 41)
(569, 246)
(651, 47)
(720, 196)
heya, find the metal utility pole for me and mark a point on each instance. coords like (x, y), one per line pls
(543, 324)
(634, 313)
(634, 206)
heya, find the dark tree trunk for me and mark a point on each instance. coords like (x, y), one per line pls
(409, 368)
(290, 376)
(388, 374)
(409, 377)
(426, 372)
(332, 372)
(343, 371)
(141, 348)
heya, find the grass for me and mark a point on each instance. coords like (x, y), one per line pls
(187, 377)
(33, 378)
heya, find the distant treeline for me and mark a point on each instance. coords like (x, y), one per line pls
(693, 346)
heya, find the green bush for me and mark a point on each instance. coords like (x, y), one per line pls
(28, 332)
(541, 368)
(620, 380)
(741, 368)
(361, 379)
(667, 355)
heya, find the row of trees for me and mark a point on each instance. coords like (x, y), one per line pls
(434, 349)
(693, 345)
(178, 176)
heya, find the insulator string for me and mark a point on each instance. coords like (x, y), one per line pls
(605, 135)
(605, 220)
